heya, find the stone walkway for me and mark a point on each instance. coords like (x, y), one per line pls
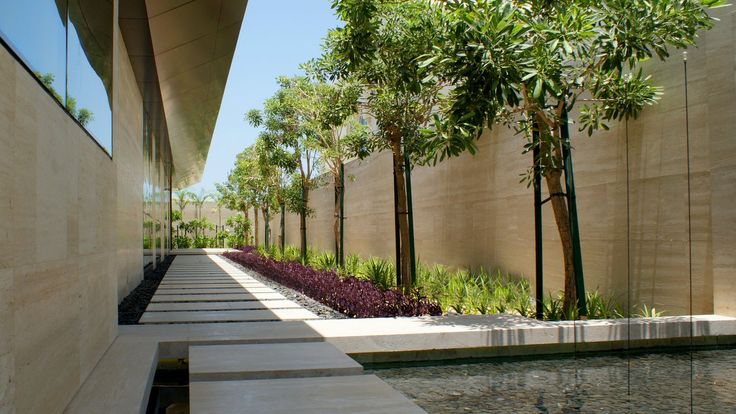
(207, 289)
(304, 377)
(207, 311)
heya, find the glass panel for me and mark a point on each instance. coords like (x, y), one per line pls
(147, 217)
(36, 30)
(89, 93)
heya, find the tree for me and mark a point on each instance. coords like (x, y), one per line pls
(287, 134)
(198, 200)
(380, 46)
(329, 109)
(529, 63)
(234, 193)
(182, 199)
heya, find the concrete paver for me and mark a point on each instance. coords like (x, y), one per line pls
(259, 361)
(227, 316)
(225, 297)
(203, 306)
(325, 395)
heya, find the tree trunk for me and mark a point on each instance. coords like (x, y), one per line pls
(303, 221)
(336, 224)
(398, 159)
(283, 230)
(562, 218)
(246, 234)
(255, 229)
(266, 231)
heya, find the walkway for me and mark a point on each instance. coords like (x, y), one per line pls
(275, 364)
(307, 376)
(199, 289)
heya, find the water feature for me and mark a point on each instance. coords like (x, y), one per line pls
(637, 383)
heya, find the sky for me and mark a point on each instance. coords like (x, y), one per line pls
(276, 37)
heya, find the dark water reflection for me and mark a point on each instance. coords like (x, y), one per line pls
(646, 383)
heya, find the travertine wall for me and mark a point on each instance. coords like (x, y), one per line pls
(71, 234)
(473, 211)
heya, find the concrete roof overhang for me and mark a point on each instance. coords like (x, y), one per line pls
(181, 51)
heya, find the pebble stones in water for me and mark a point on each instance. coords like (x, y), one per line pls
(659, 383)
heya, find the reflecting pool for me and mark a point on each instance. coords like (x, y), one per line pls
(643, 383)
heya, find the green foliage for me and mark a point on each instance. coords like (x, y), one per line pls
(379, 271)
(324, 261)
(352, 264)
(603, 307)
(182, 242)
(239, 226)
(524, 61)
(648, 312)
(291, 254)
(176, 215)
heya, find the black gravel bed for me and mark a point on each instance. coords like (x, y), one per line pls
(132, 307)
(324, 312)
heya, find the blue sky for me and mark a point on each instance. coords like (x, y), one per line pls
(276, 36)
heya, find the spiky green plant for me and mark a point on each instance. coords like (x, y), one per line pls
(379, 271)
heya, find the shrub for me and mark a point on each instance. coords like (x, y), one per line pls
(324, 261)
(379, 271)
(352, 296)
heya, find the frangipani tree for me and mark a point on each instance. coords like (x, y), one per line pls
(236, 197)
(330, 111)
(287, 133)
(528, 63)
(380, 47)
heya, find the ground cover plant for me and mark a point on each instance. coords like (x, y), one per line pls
(350, 295)
(461, 291)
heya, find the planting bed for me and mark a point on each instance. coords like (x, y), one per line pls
(132, 307)
(349, 295)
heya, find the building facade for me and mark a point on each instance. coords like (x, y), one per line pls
(104, 106)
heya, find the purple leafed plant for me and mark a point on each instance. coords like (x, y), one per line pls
(352, 296)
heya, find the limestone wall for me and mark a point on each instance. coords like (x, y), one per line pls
(71, 236)
(472, 210)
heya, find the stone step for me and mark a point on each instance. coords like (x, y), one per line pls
(254, 315)
(223, 297)
(348, 394)
(208, 279)
(213, 291)
(214, 306)
(176, 285)
(259, 361)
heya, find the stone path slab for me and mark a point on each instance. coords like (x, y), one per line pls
(216, 298)
(260, 361)
(211, 306)
(350, 394)
(177, 285)
(213, 291)
(227, 316)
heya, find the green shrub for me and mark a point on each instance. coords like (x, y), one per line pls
(353, 262)
(602, 307)
(647, 312)
(324, 261)
(379, 271)
(291, 254)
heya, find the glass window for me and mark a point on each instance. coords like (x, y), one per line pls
(36, 31)
(67, 45)
(89, 51)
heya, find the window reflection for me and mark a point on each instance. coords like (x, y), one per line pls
(89, 51)
(36, 31)
(67, 45)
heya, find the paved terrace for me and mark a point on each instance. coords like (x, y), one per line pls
(252, 350)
